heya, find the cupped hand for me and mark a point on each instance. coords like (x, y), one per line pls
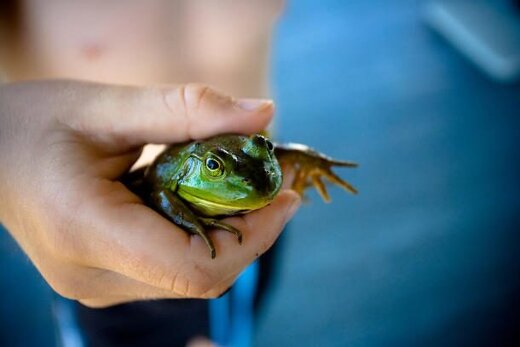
(63, 146)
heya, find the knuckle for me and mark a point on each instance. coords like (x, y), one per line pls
(194, 95)
(67, 289)
(95, 303)
(216, 293)
(199, 287)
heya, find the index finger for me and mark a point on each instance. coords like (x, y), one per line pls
(162, 114)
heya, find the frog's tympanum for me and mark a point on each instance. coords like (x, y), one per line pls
(194, 184)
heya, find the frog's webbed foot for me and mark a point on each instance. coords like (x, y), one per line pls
(215, 223)
(310, 166)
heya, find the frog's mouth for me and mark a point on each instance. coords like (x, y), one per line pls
(218, 208)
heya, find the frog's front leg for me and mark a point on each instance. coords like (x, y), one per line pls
(180, 214)
(310, 166)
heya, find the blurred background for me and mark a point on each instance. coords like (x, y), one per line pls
(427, 253)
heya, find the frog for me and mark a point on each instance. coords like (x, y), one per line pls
(196, 184)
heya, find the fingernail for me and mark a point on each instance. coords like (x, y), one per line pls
(291, 210)
(254, 104)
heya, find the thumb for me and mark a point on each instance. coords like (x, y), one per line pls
(134, 116)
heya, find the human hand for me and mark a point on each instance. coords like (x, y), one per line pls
(63, 146)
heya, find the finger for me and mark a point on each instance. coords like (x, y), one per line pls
(124, 290)
(112, 166)
(150, 152)
(106, 302)
(130, 116)
(135, 241)
(80, 283)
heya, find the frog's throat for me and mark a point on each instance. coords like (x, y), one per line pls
(214, 208)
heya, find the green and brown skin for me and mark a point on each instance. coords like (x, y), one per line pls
(195, 184)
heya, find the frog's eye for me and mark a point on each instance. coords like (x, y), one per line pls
(212, 164)
(214, 167)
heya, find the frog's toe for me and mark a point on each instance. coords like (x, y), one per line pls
(209, 243)
(341, 163)
(332, 177)
(320, 187)
(300, 182)
(215, 223)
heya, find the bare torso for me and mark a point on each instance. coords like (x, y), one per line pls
(222, 43)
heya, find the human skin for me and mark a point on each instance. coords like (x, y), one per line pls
(65, 143)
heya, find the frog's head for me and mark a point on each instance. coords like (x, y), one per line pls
(231, 174)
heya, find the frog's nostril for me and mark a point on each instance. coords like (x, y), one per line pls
(269, 145)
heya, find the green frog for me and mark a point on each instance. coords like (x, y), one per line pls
(197, 183)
